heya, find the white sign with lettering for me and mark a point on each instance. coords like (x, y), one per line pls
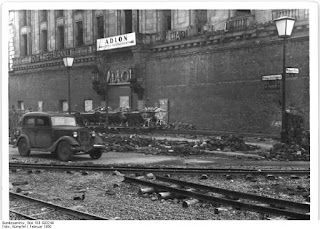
(272, 77)
(292, 70)
(124, 40)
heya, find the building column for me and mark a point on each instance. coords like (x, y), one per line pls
(88, 26)
(16, 37)
(68, 29)
(51, 31)
(135, 20)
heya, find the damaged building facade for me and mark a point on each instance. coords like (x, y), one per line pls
(204, 66)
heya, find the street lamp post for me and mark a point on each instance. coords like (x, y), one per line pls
(284, 27)
(68, 61)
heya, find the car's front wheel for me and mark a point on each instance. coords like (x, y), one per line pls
(95, 153)
(23, 147)
(64, 152)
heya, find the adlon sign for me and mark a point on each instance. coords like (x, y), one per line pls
(124, 40)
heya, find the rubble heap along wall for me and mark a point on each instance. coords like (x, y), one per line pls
(221, 89)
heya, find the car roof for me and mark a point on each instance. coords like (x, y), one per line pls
(50, 114)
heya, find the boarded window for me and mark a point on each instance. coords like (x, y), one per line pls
(63, 105)
(20, 105)
(88, 105)
(124, 101)
(40, 106)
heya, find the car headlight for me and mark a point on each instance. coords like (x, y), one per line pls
(93, 134)
(75, 134)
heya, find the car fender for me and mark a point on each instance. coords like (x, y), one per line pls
(98, 140)
(68, 139)
(20, 137)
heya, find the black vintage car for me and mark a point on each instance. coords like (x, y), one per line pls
(59, 134)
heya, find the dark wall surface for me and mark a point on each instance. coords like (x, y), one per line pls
(223, 91)
(52, 86)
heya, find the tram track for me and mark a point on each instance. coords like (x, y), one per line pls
(200, 192)
(172, 170)
(23, 210)
(289, 209)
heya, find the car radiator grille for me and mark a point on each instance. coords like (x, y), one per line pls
(84, 137)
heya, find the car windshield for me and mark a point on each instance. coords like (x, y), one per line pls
(63, 121)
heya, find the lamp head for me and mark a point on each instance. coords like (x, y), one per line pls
(284, 26)
(68, 61)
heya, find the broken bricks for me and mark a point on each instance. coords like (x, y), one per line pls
(117, 173)
(147, 190)
(17, 183)
(270, 177)
(204, 177)
(188, 203)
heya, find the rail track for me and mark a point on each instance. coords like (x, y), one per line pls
(31, 209)
(172, 170)
(289, 209)
(245, 201)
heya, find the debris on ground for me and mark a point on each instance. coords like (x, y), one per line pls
(287, 152)
(127, 143)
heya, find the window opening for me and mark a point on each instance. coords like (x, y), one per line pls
(29, 121)
(128, 21)
(43, 121)
(167, 19)
(79, 36)
(44, 40)
(60, 37)
(59, 13)
(100, 28)
(24, 45)
(44, 15)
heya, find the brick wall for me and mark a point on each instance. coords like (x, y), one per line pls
(51, 85)
(223, 90)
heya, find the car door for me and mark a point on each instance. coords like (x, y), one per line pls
(28, 128)
(43, 134)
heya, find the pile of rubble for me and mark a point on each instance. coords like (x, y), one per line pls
(229, 143)
(135, 142)
(181, 126)
(288, 152)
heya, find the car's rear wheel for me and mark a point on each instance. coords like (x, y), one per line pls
(64, 152)
(95, 153)
(23, 148)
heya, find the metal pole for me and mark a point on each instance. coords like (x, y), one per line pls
(283, 108)
(69, 93)
(107, 105)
